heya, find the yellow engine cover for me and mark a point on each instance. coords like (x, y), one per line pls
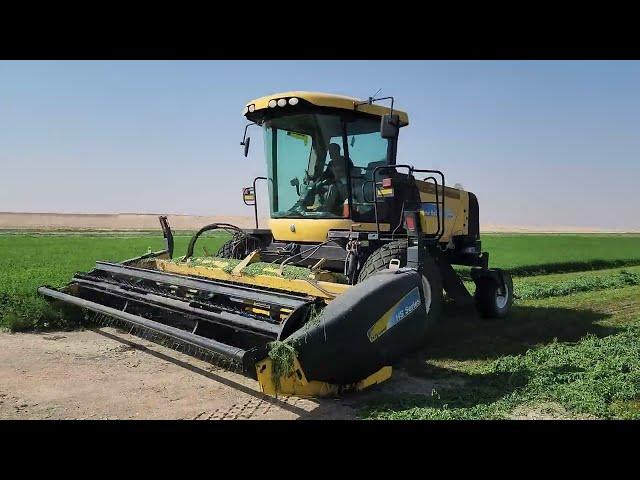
(315, 230)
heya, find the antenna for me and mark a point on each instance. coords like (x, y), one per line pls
(374, 95)
(373, 99)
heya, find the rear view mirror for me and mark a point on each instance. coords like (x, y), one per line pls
(246, 146)
(389, 126)
(246, 140)
(248, 195)
(295, 182)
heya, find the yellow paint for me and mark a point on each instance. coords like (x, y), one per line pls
(385, 192)
(458, 207)
(380, 326)
(249, 259)
(306, 229)
(297, 384)
(300, 136)
(329, 100)
(315, 230)
(284, 312)
(214, 270)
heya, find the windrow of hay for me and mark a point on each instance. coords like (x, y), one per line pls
(290, 272)
(533, 290)
(282, 355)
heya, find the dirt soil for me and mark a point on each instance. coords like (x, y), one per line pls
(135, 221)
(109, 222)
(108, 374)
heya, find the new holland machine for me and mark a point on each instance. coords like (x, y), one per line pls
(347, 279)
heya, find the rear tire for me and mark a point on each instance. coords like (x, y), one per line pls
(490, 301)
(380, 259)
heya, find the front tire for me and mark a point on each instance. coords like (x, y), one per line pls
(380, 258)
(238, 247)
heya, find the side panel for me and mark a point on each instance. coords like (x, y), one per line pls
(315, 229)
(456, 211)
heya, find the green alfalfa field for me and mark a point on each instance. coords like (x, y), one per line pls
(571, 348)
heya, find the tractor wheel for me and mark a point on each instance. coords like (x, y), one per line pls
(431, 281)
(226, 250)
(380, 258)
(238, 247)
(490, 301)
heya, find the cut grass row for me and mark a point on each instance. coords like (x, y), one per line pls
(581, 352)
(544, 286)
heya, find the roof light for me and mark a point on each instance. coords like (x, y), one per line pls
(282, 102)
(293, 101)
(272, 103)
(252, 107)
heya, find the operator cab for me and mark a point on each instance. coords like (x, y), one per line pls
(321, 152)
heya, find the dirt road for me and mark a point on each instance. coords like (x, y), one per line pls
(107, 374)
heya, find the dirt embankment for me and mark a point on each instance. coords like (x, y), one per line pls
(135, 221)
(120, 221)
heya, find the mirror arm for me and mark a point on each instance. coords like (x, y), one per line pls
(244, 137)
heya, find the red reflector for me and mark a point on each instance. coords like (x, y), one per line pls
(345, 209)
(410, 222)
(386, 183)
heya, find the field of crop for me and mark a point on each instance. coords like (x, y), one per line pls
(570, 349)
(29, 261)
(535, 254)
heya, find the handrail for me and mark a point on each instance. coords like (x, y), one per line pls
(440, 204)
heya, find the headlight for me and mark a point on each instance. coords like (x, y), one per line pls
(293, 101)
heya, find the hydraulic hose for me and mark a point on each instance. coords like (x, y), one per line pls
(206, 228)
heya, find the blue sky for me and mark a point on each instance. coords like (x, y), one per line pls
(540, 143)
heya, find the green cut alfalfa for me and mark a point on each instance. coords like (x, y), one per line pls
(282, 357)
(290, 272)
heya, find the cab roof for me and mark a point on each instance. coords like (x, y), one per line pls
(327, 100)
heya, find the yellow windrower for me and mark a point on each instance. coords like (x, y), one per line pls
(349, 275)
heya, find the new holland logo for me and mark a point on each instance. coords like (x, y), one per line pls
(431, 210)
(401, 310)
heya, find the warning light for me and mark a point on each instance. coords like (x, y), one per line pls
(410, 222)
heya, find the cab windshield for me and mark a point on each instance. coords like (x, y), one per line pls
(312, 171)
